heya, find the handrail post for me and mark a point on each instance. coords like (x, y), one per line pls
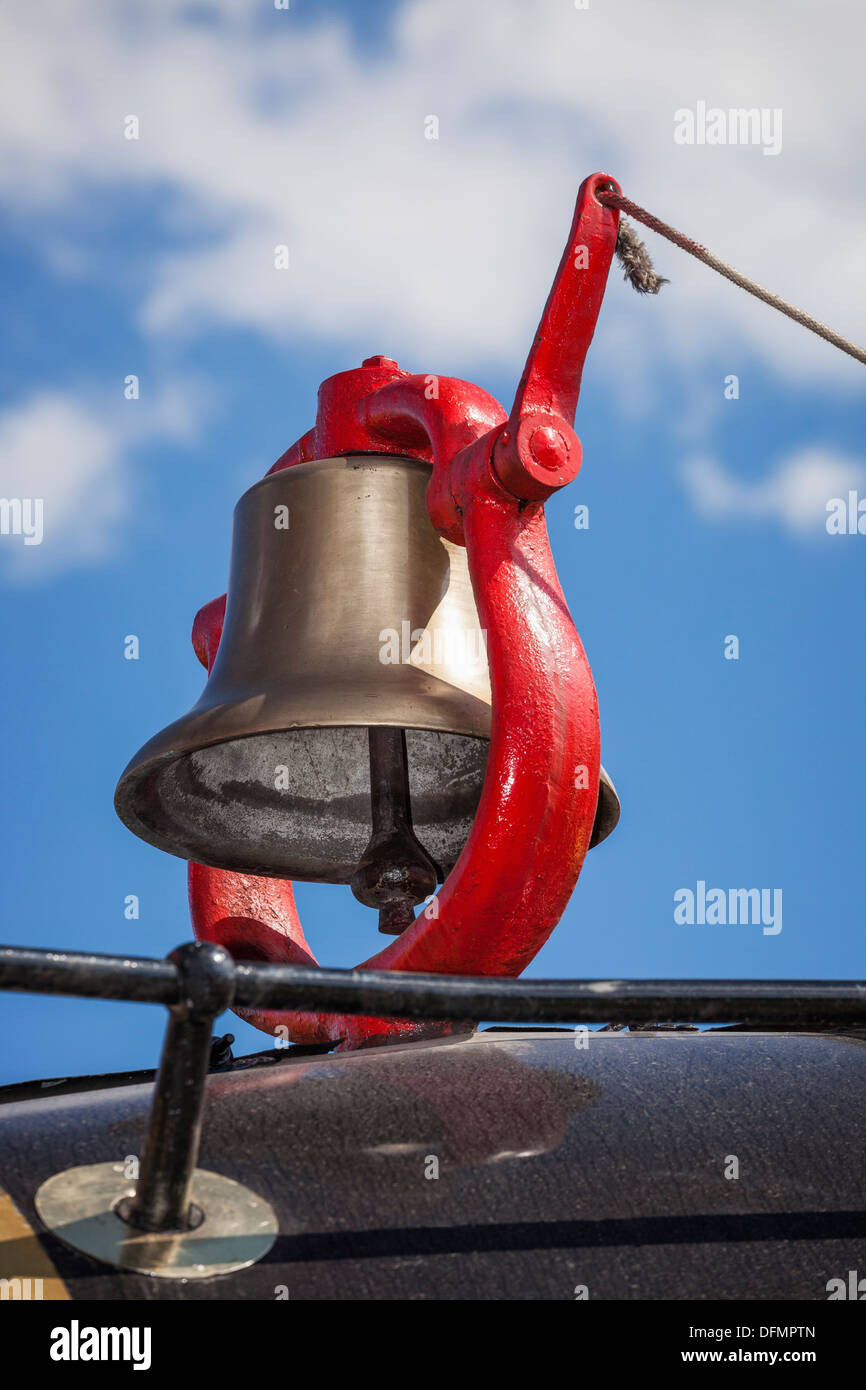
(162, 1194)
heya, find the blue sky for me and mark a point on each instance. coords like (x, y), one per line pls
(707, 515)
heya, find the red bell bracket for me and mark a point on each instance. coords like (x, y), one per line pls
(491, 476)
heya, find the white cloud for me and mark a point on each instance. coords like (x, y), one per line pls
(56, 451)
(795, 495)
(259, 129)
(71, 454)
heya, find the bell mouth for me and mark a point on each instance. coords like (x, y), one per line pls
(296, 803)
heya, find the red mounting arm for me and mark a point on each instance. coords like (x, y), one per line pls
(490, 478)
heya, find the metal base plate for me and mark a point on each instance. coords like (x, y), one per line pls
(78, 1206)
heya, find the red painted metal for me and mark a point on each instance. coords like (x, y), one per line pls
(491, 476)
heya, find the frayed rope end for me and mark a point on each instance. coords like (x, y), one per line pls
(635, 261)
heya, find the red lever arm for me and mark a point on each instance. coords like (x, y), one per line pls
(551, 378)
(539, 450)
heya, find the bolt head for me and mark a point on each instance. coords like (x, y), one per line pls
(548, 448)
(387, 362)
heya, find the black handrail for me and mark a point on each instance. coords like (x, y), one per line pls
(399, 994)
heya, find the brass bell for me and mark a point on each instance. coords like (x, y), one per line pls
(350, 692)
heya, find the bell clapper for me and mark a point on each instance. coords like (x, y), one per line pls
(395, 872)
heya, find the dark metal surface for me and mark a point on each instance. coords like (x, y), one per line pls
(208, 981)
(562, 1161)
(420, 996)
